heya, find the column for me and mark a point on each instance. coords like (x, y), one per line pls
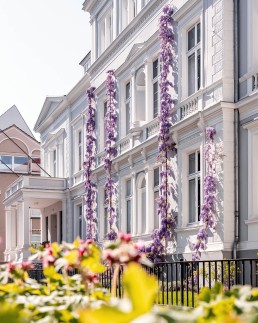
(13, 228)
(134, 209)
(26, 230)
(43, 226)
(115, 19)
(19, 225)
(64, 220)
(94, 41)
(7, 233)
(148, 90)
(133, 116)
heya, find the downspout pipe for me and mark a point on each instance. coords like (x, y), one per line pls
(236, 129)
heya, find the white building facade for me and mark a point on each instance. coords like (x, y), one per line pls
(125, 38)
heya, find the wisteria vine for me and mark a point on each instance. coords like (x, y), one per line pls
(208, 208)
(157, 249)
(89, 165)
(111, 152)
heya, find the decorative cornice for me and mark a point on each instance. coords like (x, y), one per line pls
(138, 22)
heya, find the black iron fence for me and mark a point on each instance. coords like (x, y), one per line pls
(180, 282)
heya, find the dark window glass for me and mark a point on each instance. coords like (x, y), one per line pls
(61, 226)
(47, 228)
(105, 220)
(191, 74)
(198, 33)
(128, 90)
(128, 116)
(20, 164)
(155, 67)
(155, 99)
(192, 163)
(192, 199)
(198, 69)
(199, 198)
(128, 215)
(6, 160)
(156, 177)
(199, 161)
(128, 188)
(191, 38)
(80, 137)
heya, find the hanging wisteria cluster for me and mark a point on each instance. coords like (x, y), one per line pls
(89, 165)
(157, 249)
(208, 208)
(111, 152)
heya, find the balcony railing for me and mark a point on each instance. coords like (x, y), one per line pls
(188, 107)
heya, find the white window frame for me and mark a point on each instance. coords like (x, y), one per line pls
(194, 51)
(140, 191)
(80, 149)
(196, 176)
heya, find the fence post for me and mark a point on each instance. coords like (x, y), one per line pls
(182, 281)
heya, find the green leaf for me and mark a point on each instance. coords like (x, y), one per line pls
(105, 314)
(50, 273)
(141, 288)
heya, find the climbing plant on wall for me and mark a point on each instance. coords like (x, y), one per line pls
(111, 152)
(208, 209)
(89, 165)
(157, 249)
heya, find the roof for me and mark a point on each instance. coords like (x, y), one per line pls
(13, 117)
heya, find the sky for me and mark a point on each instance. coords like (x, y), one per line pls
(41, 45)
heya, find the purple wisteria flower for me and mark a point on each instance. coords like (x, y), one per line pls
(156, 250)
(88, 166)
(111, 152)
(208, 208)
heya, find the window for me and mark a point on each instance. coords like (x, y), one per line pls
(128, 206)
(79, 150)
(105, 32)
(80, 221)
(156, 175)
(128, 106)
(194, 59)
(194, 186)
(54, 164)
(47, 228)
(155, 75)
(143, 205)
(105, 213)
(104, 118)
(18, 164)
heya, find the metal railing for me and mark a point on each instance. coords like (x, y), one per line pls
(180, 282)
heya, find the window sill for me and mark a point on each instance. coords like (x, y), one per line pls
(252, 221)
(189, 227)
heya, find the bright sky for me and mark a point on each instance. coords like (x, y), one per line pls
(41, 45)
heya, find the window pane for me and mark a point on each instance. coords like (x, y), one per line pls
(191, 38)
(5, 162)
(191, 74)
(105, 221)
(199, 161)
(80, 137)
(199, 198)
(128, 188)
(156, 216)
(192, 163)
(54, 155)
(155, 99)
(128, 117)
(198, 69)
(143, 183)
(155, 67)
(128, 216)
(192, 199)
(198, 34)
(128, 90)
(156, 177)
(143, 211)
(20, 164)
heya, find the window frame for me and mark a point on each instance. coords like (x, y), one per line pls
(196, 51)
(128, 198)
(128, 103)
(155, 80)
(196, 176)
(12, 167)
